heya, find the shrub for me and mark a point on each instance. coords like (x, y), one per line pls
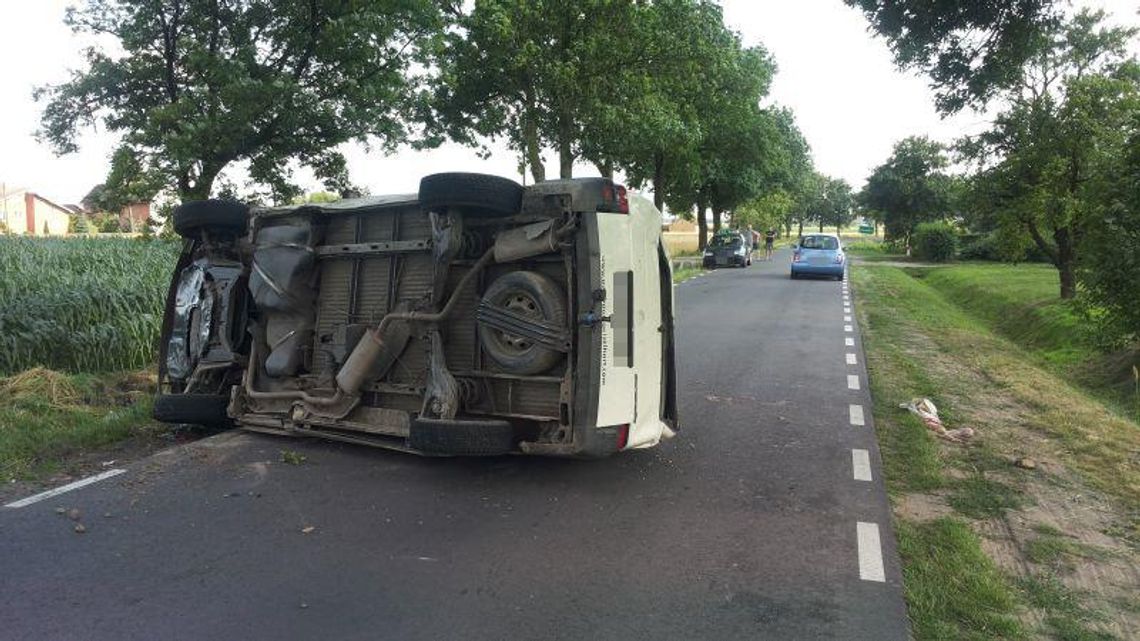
(936, 242)
(979, 247)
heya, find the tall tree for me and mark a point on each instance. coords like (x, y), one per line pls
(1046, 157)
(970, 50)
(1110, 270)
(911, 187)
(194, 86)
(537, 72)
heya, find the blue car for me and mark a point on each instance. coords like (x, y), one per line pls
(818, 255)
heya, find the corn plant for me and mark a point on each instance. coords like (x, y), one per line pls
(81, 304)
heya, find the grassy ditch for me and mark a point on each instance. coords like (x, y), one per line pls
(1021, 303)
(990, 548)
(48, 418)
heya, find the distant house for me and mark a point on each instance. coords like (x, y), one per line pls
(134, 216)
(26, 212)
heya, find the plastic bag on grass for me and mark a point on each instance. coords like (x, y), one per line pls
(924, 409)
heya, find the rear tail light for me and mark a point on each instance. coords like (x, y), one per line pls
(797, 257)
(622, 436)
(615, 199)
(838, 259)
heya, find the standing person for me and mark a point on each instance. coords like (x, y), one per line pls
(769, 241)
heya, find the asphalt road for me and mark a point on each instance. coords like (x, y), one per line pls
(746, 526)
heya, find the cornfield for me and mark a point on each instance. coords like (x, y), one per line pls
(82, 304)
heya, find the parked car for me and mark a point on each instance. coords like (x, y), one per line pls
(818, 255)
(732, 249)
(474, 317)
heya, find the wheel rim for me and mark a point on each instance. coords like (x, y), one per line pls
(525, 305)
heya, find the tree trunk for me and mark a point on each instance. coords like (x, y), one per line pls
(821, 225)
(565, 149)
(702, 225)
(532, 154)
(203, 184)
(801, 231)
(716, 219)
(1066, 262)
(659, 181)
(606, 169)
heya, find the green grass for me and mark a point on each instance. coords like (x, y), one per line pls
(921, 342)
(47, 417)
(952, 589)
(81, 304)
(918, 340)
(1066, 617)
(685, 273)
(980, 498)
(1021, 303)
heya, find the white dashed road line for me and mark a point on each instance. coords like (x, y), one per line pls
(856, 414)
(870, 552)
(65, 488)
(850, 342)
(846, 319)
(852, 381)
(848, 328)
(861, 464)
(850, 358)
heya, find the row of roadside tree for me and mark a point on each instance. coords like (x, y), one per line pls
(662, 92)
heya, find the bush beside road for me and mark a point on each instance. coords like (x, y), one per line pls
(1017, 534)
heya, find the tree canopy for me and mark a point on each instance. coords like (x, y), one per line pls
(199, 86)
(1046, 160)
(970, 50)
(911, 187)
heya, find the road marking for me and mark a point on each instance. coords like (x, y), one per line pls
(850, 358)
(852, 381)
(850, 342)
(870, 552)
(856, 414)
(65, 488)
(848, 328)
(861, 464)
(846, 319)
(846, 310)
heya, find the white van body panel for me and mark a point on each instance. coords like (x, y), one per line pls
(630, 390)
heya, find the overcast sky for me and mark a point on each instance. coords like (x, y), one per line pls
(849, 100)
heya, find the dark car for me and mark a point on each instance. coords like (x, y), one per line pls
(729, 250)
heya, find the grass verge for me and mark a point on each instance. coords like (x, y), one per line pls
(970, 569)
(685, 273)
(48, 417)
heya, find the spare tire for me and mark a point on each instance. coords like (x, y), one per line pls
(461, 437)
(530, 294)
(482, 194)
(225, 217)
(208, 410)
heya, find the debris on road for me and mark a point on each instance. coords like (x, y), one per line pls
(292, 458)
(74, 514)
(80, 528)
(307, 529)
(925, 409)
